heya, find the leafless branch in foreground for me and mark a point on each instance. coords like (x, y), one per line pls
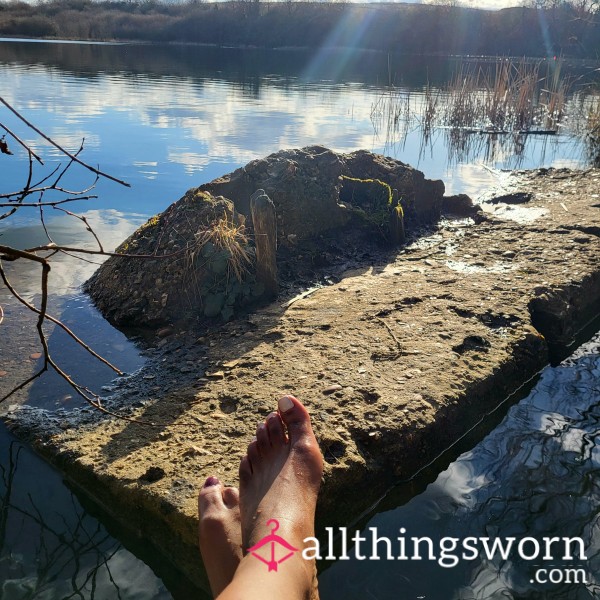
(34, 193)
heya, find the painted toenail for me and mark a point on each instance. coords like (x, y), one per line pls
(285, 404)
(211, 481)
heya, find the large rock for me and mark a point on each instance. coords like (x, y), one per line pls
(314, 190)
(192, 274)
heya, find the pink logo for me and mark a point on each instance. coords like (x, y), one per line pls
(267, 546)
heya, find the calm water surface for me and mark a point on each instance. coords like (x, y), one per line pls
(537, 474)
(169, 118)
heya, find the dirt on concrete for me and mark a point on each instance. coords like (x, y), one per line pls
(395, 360)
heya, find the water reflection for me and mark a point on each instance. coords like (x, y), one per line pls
(68, 272)
(20, 343)
(537, 474)
(166, 118)
(51, 548)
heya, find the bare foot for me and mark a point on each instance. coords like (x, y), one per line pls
(219, 532)
(279, 479)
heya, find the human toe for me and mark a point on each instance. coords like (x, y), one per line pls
(295, 417)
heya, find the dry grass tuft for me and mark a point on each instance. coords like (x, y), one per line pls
(229, 237)
(503, 104)
(515, 97)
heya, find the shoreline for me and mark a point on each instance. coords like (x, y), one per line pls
(395, 362)
(390, 27)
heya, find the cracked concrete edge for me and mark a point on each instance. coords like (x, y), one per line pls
(174, 533)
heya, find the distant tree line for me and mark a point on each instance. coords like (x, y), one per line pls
(542, 28)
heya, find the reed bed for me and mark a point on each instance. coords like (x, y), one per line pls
(508, 100)
(588, 123)
(513, 97)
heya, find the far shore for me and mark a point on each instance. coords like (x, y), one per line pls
(421, 29)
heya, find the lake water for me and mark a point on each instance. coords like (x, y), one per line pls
(167, 118)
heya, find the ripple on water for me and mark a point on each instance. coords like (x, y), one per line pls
(536, 475)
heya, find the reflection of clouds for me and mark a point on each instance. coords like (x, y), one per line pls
(456, 486)
(193, 125)
(191, 161)
(71, 139)
(470, 179)
(219, 120)
(67, 272)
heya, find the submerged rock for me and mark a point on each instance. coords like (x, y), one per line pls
(204, 263)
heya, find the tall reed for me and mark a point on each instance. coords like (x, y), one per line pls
(505, 103)
(514, 97)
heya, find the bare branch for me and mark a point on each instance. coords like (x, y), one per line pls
(24, 383)
(24, 192)
(51, 183)
(49, 203)
(85, 222)
(20, 141)
(50, 247)
(13, 254)
(32, 308)
(58, 147)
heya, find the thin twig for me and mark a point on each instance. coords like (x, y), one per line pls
(51, 247)
(58, 147)
(85, 222)
(32, 308)
(20, 141)
(24, 192)
(48, 203)
(398, 344)
(24, 383)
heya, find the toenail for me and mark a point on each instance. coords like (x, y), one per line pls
(211, 481)
(285, 404)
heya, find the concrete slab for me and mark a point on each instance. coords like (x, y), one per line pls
(394, 362)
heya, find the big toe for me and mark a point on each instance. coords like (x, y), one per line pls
(211, 497)
(296, 419)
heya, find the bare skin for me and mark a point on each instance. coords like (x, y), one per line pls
(219, 532)
(279, 479)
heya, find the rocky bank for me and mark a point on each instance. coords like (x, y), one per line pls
(320, 197)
